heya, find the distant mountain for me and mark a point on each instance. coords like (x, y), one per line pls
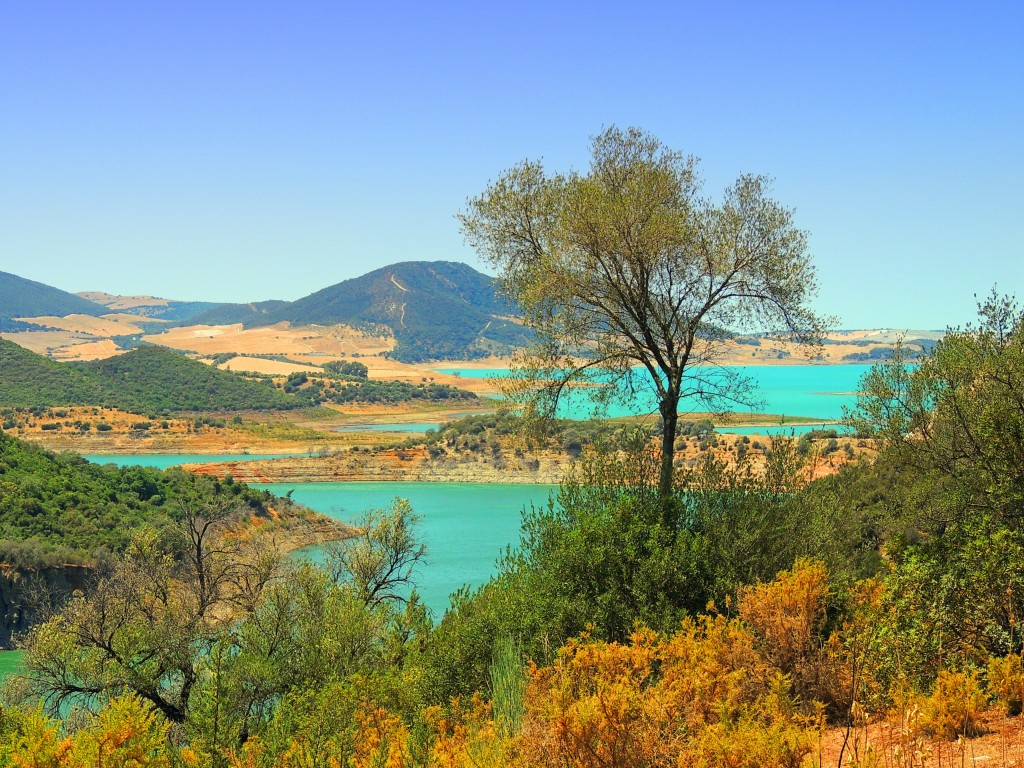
(20, 297)
(435, 309)
(149, 379)
(150, 306)
(229, 314)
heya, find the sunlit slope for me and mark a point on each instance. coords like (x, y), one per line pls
(435, 310)
(147, 379)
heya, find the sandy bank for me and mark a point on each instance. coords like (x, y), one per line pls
(392, 465)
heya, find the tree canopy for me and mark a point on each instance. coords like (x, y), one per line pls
(957, 418)
(633, 279)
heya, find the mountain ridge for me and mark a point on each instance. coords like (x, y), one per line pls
(21, 297)
(434, 309)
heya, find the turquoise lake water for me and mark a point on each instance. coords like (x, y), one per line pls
(10, 663)
(813, 391)
(404, 428)
(165, 460)
(466, 526)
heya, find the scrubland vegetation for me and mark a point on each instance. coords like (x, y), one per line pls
(155, 380)
(732, 622)
(351, 388)
(58, 509)
(149, 379)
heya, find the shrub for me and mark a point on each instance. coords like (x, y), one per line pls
(953, 707)
(1006, 683)
(702, 697)
(787, 616)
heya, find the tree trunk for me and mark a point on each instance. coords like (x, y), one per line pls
(669, 408)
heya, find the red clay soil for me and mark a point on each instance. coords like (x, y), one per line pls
(890, 744)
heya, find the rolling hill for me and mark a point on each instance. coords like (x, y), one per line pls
(229, 314)
(28, 379)
(20, 297)
(150, 306)
(435, 309)
(149, 379)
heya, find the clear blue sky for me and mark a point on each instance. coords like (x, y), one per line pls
(240, 151)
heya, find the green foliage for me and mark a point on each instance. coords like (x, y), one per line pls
(59, 508)
(964, 408)
(949, 482)
(605, 555)
(629, 276)
(508, 686)
(346, 368)
(152, 378)
(28, 379)
(475, 431)
(148, 379)
(361, 391)
(154, 625)
(380, 563)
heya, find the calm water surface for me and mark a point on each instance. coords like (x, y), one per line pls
(812, 391)
(466, 526)
(10, 663)
(165, 460)
(408, 427)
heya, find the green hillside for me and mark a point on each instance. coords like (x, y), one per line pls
(228, 314)
(148, 379)
(28, 379)
(156, 378)
(59, 508)
(20, 297)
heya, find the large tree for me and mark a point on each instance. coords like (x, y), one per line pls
(631, 279)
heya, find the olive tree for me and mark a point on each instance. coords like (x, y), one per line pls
(149, 623)
(632, 280)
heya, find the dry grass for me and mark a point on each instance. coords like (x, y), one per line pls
(100, 327)
(262, 365)
(123, 302)
(898, 742)
(327, 342)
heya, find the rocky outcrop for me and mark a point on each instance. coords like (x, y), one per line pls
(23, 590)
